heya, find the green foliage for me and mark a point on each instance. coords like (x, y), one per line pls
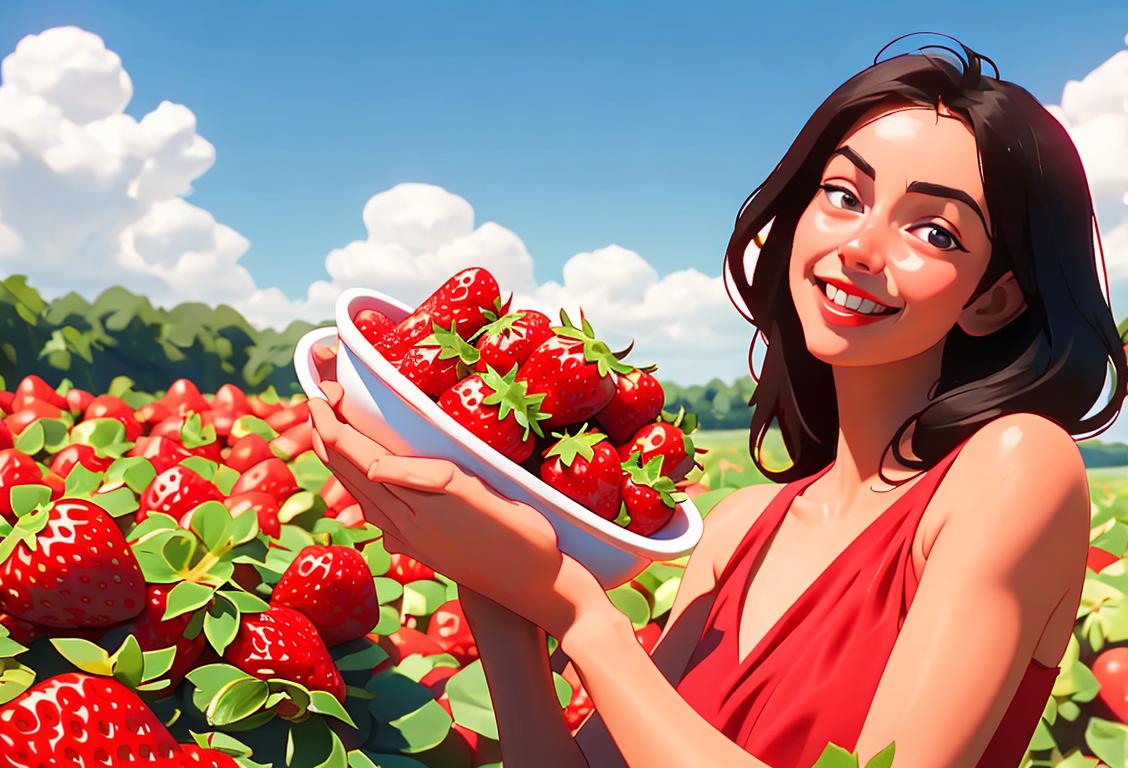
(121, 334)
(718, 405)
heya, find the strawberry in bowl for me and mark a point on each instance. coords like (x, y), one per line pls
(486, 421)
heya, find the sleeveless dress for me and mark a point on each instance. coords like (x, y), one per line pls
(812, 677)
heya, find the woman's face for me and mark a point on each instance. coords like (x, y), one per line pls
(900, 218)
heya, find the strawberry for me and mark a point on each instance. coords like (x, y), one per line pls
(351, 516)
(153, 413)
(377, 328)
(161, 452)
(262, 408)
(23, 632)
(283, 643)
(405, 569)
(6, 400)
(336, 496)
(289, 416)
(460, 299)
(5, 436)
(32, 412)
(182, 397)
(334, 588)
(110, 407)
(269, 476)
(448, 627)
(637, 401)
(68, 565)
(585, 467)
(231, 399)
(83, 721)
(497, 410)
(439, 361)
(667, 441)
(176, 492)
(78, 400)
(192, 435)
(573, 371)
(247, 451)
(77, 453)
(405, 642)
(264, 505)
(294, 441)
(16, 468)
(154, 632)
(509, 340)
(649, 497)
(32, 388)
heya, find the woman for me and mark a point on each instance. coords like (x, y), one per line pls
(933, 465)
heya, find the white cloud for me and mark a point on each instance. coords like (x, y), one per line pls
(1095, 112)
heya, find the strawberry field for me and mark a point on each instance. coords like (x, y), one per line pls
(182, 577)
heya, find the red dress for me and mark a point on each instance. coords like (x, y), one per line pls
(812, 677)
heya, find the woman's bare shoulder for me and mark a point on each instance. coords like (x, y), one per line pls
(727, 523)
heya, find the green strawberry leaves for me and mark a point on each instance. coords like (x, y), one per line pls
(32, 505)
(106, 436)
(194, 434)
(511, 397)
(651, 476)
(834, 756)
(129, 665)
(15, 678)
(580, 444)
(451, 345)
(49, 434)
(595, 351)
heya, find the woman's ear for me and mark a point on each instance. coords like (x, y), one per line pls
(996, 307)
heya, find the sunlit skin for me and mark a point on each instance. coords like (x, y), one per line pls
(1005, 535)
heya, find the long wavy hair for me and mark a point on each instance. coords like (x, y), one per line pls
(1051, 360)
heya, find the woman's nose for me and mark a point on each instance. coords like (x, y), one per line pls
(862, 253)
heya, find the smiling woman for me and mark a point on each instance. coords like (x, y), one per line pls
(936, 337)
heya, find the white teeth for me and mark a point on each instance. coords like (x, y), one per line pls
(853, 302)
(867, 306)
(856, 303)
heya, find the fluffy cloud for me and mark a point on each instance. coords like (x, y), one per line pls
(1095, 112)
(91, 197)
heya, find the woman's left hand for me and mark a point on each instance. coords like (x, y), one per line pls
(431, 510)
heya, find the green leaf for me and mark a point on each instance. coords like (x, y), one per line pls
(210, 678)
(423, 597)
(154, 567)
(158, 662)
(225, 479)
(378, 559)
(1108, 740)
(244, 601)
(134, 471)
(15, 678)
(186, 597)
(118, 502)
(25, 498)
(128, 662)
(664, 596)
(304, 506)
(221, 625)
(632, 604)
(81, 481)
(83, 654)
(470, 700)
(252, 425)
(410, 720)
(884, 758)
(56, 434)
(105, 436)
(244, 527)
(237, 700)
(31, 440)
(389, 621)
(365, 659)
(364, 760)
(156, 521)
(834, 756)
(563, 689)
(324, 703)
(212, 522)
(205, 468)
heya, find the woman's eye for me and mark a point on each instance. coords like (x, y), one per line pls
(938, 237)
(842, 198)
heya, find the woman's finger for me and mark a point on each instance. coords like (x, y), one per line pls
(416, 473)
(325, 421)
(334, 393)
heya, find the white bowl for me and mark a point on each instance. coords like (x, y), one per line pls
(384, 404)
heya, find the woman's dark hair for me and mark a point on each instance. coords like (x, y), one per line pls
(1050, 360)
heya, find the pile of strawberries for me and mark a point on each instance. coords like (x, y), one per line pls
(554, 399)
(183, 582)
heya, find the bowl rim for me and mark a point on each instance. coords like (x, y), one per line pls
(370, 357)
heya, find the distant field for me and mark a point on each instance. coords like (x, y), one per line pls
(728, 464)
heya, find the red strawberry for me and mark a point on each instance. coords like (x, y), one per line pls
(193, 756)
(336, 496)
(78, 400)
(264, 505)
(269, 476)
(405, 642)
(649, 497)
(573, 372)
(154, 632)
(334, 588)
(5, 436)
(153, 413)
(231, 399)
(638, 400)
(6, 400)
(182, 397)
(32, 388)
(405, 569)
(294, 441)
(32, 412)
(448, 627)
(664, 440)
(290, 416)
(586, 467)
(283, 643)
(460, 299)
(81, 572)
(23, 632)
(579, 707)
(509, 340)
(193, 439)
(351, 516)
(437, 362)
(497, 410)
(376, 327)
(160, 451)
(648, 636)
(176, 492)
(263, 409)
(77, 453)
(110, 407)
(81, 720)
(247, 451)
(16, 468)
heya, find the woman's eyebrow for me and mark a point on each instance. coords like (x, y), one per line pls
(857, 160)
(939, 190)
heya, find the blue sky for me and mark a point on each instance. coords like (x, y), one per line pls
(576, 125)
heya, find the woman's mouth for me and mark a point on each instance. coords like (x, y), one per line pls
(842, 308)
